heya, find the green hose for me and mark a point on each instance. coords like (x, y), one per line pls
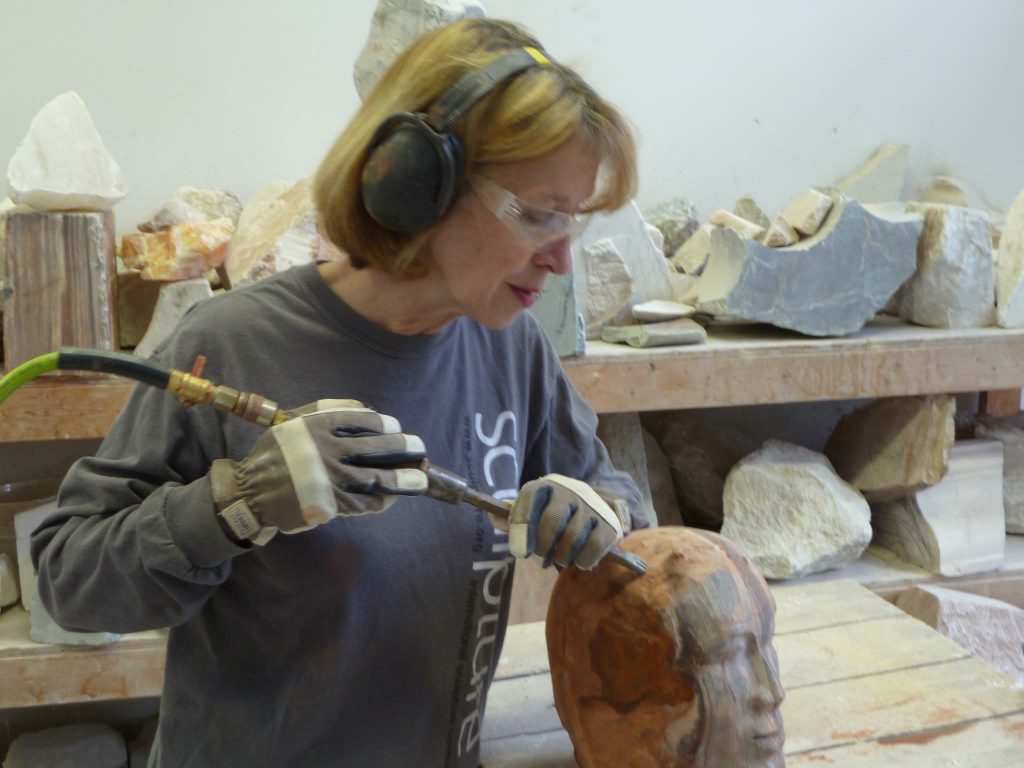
(27, 371)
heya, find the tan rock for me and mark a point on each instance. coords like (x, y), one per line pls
(780, 234)
(1010, 268)
(700, 456)
(182, 252)
(742, 227)
(894, 446)
(806, 213)
(692, 255)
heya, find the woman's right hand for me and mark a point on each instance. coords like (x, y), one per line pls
(331, 458)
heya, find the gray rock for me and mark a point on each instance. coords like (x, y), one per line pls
(676, 220)
(830, 284)
(622, 435)
(91, 745)
(954, 285)
(557, 312)
(609, 284)
(792, 513)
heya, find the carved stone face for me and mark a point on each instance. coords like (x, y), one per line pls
(672, 669)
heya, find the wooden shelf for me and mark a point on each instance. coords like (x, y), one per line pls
(63, 408)
(32, 674)
(757, 365)
(740, 365)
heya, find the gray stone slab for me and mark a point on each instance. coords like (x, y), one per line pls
(668, 333)
(557, 313)
(830, 284)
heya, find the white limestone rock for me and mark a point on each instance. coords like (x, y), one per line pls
(661, 309)
(194, 204)
(830, 284)
(894, 446)
(742, 227)
(395, 24)
(956, 526)
(622, 435)
(87, 745)
(62, 163)
(646, 265)
(175, 300)
(8, 581)
(700, 456)
(664, 334)
(881, 178)
(1008, 430)
(609, 284)
(1010, 269)
(692, 255)
(991, 630)
(676, 220)
(806, 213)
(789, 510)
(954, 285)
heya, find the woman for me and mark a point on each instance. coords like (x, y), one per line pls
(363, 640)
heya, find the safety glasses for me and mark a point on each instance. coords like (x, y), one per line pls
(534, 225)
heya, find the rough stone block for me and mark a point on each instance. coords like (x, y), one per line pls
(559, 316)
(676, 220)
(954, 285)
(395, 24)
(830, 284)
(609, 284)
(62, 164)
(646, 265)
(174, 301)
(989, 629)
(622, 435)
(895, 446)
(786, 506)
(692, 255)
(956, 526)
(181, 252)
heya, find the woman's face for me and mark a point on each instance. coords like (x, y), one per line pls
(487, 270)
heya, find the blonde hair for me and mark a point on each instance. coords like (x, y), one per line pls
(525, 117)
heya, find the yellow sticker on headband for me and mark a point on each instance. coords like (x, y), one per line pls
(540, 57)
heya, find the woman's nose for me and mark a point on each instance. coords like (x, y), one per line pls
(556, 256)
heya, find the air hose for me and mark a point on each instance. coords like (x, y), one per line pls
(189, 388)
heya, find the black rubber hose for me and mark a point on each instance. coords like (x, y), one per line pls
(77, 359)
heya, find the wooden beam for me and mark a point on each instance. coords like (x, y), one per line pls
(63, 408)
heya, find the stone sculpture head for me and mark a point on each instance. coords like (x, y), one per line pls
(672, 669)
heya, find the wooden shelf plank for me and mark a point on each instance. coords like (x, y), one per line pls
(63, 408)
(756, 365)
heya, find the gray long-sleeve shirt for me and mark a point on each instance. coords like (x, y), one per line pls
(368, 641)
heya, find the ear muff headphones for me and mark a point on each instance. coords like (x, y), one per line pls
(415, 165)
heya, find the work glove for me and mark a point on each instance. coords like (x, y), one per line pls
(556, 519)
(330, 458)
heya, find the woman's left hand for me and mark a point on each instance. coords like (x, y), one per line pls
(557, 519)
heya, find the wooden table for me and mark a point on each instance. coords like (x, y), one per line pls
(866, 687)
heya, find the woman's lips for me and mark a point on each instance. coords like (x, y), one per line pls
(526, 296)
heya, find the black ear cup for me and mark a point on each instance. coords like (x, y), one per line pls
(415, 164)
(411, 175)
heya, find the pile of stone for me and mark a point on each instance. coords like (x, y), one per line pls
(835, 257)
(890, 474)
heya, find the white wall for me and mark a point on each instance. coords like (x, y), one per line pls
(730, 97)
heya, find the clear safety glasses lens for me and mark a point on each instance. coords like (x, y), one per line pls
(533, 224)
